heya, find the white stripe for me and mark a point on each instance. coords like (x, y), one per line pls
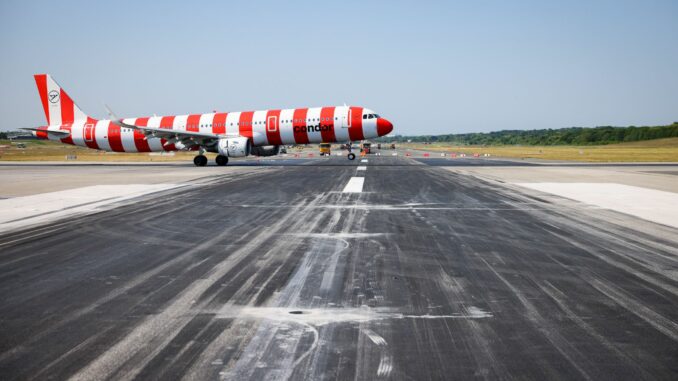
(313, 136)
(259, 129)
(232, 120)
(363, 161)
(76, 133)
(54, 108)
(286, 132)
(180, 122)
(77, 113)
(354, 185)
(205, 123)
(341, 134)
(127, 138)
(101, 135)
(155, 144)
(370, 128)
(362, 168)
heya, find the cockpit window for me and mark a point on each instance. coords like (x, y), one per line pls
(365, 116)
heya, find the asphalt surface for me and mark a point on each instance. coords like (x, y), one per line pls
(426, 274)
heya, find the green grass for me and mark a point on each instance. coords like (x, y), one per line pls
(43, 150)
(659, 150)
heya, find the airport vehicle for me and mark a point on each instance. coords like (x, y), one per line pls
(325, 149)
(229, 134)
(366, 147)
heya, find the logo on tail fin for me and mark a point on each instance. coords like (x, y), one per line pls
(53, 96)
(58, 106)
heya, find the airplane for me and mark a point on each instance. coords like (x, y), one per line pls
(229, 134)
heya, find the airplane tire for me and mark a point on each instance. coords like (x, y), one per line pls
(351, 156)
(221, 160)
(200, 161)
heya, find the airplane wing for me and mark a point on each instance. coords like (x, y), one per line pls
(188, 138)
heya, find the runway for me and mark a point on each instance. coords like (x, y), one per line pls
(275, 270)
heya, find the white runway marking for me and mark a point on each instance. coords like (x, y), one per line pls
(354, 185)
(362, 168)
(363, 161)
(324, 316)
(649, 204)
(40, 208)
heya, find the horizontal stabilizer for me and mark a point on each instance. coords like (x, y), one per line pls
(61, 133)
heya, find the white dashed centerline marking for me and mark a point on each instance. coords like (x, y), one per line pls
(363, 161)
(362, 168)
(354, 185)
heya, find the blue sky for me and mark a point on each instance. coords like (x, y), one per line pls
(430, 67)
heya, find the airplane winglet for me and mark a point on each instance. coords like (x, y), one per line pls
(110, 112)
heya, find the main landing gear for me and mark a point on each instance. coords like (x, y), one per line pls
(200, 160)
(221, 160)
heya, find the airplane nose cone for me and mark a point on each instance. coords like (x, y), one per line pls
(384, 127)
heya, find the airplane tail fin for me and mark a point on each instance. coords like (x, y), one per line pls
(58, 105)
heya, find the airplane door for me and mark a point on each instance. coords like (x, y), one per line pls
(272, 124)
(88, 132)
(346, 119)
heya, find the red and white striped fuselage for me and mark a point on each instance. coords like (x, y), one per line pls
(233, 134)
(266, 127)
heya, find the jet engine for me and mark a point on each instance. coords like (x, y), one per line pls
(233, 147)
(265, 151)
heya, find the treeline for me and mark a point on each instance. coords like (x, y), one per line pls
(549, 137)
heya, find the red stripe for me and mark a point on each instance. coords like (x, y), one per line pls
(327, 119)
(192, 123)
(299, 126)
(246, 123)
(355, 132)
(69, 138)
(90, 133)
(41, 133)
(168, 123)
(273, 137)
(66, 115)
(219, 123)
(114, 138)
(139, 138)
(41, 81)
(66, 108)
